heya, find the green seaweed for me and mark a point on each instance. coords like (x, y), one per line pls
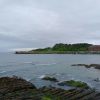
(50, 79)
(73, 83)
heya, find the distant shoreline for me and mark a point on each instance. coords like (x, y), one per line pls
(79, 48)
(59, 52)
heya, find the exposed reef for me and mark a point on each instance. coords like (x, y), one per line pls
(96, 66)
(14, 88)
(77, 84)
(47, 78)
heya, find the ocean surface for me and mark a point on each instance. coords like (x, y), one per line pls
(34, 67)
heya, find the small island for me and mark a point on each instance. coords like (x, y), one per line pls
(78, 48)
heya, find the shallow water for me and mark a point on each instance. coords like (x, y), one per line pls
(32, 67)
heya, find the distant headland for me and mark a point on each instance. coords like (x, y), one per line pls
(78, 48)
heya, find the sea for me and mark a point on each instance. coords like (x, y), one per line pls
(33, 67)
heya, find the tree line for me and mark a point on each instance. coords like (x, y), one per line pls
(67, 47)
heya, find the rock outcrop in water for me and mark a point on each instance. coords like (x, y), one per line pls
(14, 88)
(77, 84)
(96, 66)
(47, 78)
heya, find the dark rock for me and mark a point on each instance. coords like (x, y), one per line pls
(9, 84)
(79, 65)
(73, 83)
(14, 88)
(50, 79)
(97, 80)
(96, 66)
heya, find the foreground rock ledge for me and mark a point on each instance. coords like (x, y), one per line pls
(10, 84)
(14, 88)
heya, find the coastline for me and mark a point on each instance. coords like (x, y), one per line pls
(58, 52)
(78, 48)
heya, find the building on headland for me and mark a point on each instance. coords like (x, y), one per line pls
(94, 48)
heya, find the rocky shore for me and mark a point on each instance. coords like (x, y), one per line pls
(57, 52)
(96, 66)
(14, 88)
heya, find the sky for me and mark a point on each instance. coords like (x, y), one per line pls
(43, 23)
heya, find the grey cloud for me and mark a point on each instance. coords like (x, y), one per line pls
(40, 23)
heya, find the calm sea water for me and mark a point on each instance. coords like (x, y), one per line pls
(33, 67)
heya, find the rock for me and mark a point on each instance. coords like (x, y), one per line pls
(53, 79)
(79, 65)
(14, 88)
(9, 84)
(96, 66)
(73, 83)
(97, 80)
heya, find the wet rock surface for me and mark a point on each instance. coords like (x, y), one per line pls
(47, 78)
(96, 66)
(14, 88)
(77, 84)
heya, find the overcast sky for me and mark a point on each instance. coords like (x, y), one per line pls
(41, 23)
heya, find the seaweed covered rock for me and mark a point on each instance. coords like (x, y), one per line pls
(53, 79)
(53, 93)
(14, 88)
(73, 83)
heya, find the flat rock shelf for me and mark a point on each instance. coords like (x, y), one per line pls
(14, 88)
